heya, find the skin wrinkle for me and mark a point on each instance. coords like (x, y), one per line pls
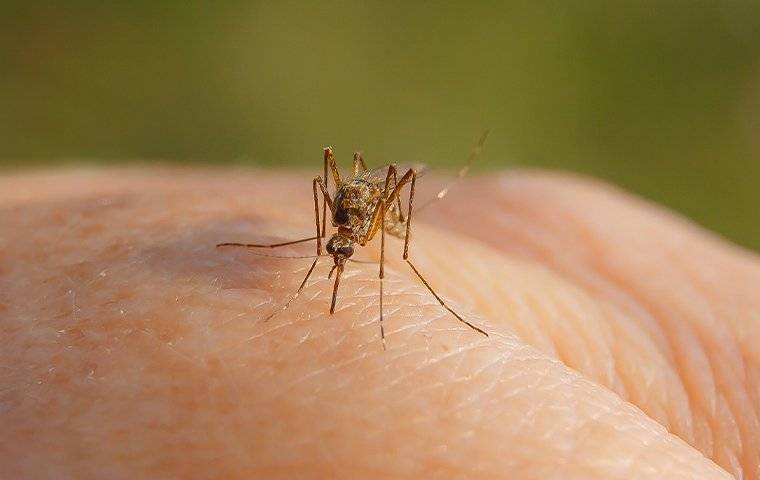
(347, 381)
(614, 374)
(668, 408)
(670, 384)
(540, 247)
(582, 343)
(622, 279)
(736, 371)
(707, 409)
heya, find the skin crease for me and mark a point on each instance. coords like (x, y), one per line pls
(622, 338)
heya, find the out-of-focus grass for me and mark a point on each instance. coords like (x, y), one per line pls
(659, 96)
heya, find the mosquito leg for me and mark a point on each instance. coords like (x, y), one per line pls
(329, 162)
(462, 171)
(324, 198)
(382, 276)
(398, 199)
(298, 292)
(265, 245)
(409, 215)
(440, 300)
(400, 184)
(417, 272)
(316, 181)
(359, 165)
(391, 174)
(325, 194)
(326, 203)
(410, 175)
(376, 223)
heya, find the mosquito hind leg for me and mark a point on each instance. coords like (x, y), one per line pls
(406, 253)
(440, 300)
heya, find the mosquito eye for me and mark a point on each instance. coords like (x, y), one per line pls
(330, 248)
(341, 216)
(346, 251)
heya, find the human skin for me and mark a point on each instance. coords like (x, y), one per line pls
(622, 339)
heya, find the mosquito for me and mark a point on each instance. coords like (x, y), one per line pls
(367, 202)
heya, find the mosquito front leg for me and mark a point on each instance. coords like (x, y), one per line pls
(265, 245)
(317, 181)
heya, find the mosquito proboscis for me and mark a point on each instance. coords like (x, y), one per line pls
(367, 202)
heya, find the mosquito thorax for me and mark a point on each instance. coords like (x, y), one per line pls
(340, 247)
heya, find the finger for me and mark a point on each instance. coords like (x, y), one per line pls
(128, 307)
(676, 311)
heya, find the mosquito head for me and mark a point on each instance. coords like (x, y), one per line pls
(340, 248)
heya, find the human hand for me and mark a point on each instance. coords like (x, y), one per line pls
(132, 347)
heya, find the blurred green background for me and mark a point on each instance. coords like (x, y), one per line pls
(660, 97)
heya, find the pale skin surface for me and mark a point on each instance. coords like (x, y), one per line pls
(623, 340)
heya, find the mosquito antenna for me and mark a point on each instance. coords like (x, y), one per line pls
(298, 292)
(335, 288)
(474, 153)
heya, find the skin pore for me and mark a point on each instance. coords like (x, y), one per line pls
(622, 339)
